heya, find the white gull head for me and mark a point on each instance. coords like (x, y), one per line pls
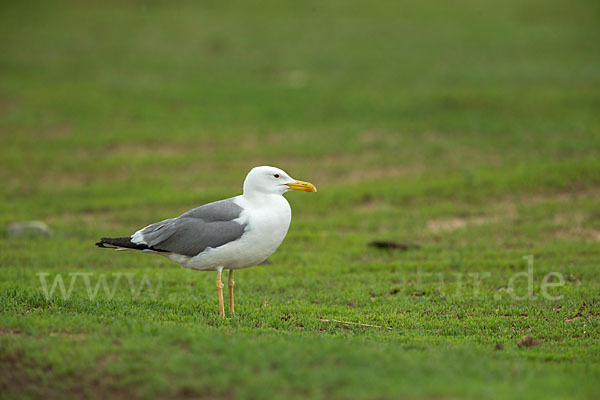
(271, 180)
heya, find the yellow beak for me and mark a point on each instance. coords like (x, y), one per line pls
(301, 185)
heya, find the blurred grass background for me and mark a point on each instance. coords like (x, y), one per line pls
(471, 128)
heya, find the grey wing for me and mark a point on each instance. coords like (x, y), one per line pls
(222, 210)
(211, 225)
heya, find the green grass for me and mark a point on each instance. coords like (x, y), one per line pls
(470, 128)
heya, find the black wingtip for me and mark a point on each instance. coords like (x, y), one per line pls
(125, 243)
(101, 243)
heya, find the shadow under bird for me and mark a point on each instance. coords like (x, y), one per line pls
(234, 233)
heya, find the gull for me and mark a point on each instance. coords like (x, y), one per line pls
(234, 233)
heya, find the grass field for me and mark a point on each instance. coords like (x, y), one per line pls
(469, 128)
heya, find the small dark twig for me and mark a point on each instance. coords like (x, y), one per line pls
(388, 244)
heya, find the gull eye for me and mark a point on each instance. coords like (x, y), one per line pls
(276, 175)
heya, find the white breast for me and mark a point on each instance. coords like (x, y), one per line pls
(267, 217)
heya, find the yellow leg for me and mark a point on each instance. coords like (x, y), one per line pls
(220, 294)
(230, 284)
